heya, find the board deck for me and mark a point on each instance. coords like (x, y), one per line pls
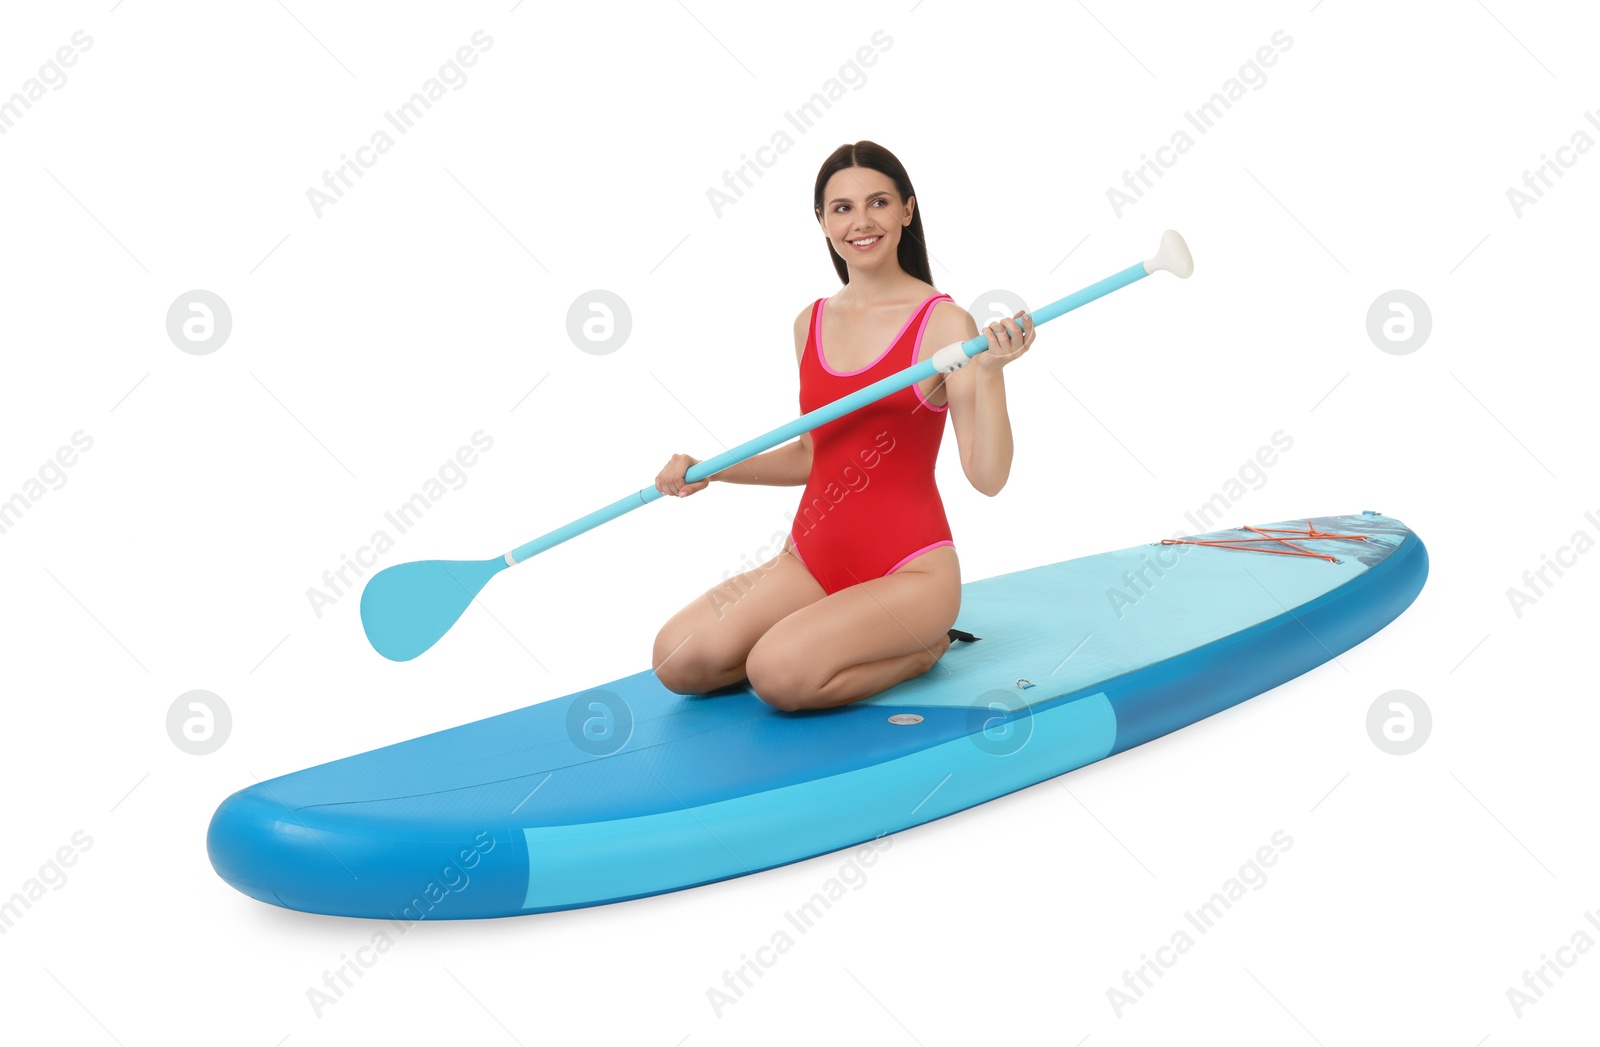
(627, 790)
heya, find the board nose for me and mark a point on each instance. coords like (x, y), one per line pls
(246, 843)
(327, 858)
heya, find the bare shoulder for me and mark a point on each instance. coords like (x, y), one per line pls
(802, 324)
(949, 323)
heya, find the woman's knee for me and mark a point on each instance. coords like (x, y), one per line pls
(779, 674)
(690, 660)
(703, 643)
(675, 660)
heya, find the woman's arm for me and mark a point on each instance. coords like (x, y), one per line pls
(976, 394)
(786, 466)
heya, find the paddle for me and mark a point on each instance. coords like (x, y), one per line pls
(407, 608)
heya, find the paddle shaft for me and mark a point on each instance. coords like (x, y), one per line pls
(811, 419)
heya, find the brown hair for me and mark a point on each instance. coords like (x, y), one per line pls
(913, 250)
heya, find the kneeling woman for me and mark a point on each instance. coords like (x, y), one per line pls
(867, 585)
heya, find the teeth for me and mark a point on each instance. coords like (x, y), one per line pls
(863, 243)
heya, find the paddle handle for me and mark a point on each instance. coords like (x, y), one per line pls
(1173, 256)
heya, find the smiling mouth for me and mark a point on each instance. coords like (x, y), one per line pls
(864, 243)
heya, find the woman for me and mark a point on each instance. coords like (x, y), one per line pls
(867, 584)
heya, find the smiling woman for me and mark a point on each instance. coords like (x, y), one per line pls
(865, 598)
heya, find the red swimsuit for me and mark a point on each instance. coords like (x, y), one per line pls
(870, 505)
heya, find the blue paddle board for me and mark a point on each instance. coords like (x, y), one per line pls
(628, 790)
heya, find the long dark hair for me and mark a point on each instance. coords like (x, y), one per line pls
(913, 250)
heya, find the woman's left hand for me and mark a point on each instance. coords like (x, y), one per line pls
(1008, 339)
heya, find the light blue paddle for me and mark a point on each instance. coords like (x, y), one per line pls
(407, 608)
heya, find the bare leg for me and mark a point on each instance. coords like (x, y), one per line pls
(855, 682)
(861, 640)
(704, 646)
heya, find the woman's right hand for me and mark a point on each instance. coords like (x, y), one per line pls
(670, 480)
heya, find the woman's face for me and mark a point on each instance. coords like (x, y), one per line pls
(864, 217)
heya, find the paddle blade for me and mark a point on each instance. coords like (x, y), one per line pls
(406, 608)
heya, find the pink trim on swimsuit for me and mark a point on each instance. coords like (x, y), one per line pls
(918, 553)
(916, 351)
(822, 357)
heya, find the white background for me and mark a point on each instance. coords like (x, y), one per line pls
(372, 341)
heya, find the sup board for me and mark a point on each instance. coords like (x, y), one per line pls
(628, 790)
